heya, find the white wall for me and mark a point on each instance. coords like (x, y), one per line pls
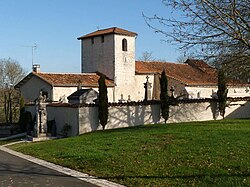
(63, 115)
(98, 56)
(31, 89)
(206, 92)
(88, 119)
(126, 116)
(239, 91)
(59, 92)
(124, 67)
(85, 119)
(139, 91)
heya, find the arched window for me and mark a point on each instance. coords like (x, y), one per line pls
(124, 45)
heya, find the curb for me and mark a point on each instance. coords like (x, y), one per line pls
(79, 175)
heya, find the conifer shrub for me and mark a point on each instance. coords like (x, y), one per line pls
(222, 92)
(103, 102)
(164, 96)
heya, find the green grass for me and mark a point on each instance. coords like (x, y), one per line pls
(214, 153)
(3, 142)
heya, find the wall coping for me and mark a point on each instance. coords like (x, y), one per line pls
(140, 103)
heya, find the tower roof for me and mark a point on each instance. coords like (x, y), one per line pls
(113, 30)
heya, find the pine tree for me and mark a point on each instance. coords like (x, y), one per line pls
(222, 92)
(103, 102)
(164, 96)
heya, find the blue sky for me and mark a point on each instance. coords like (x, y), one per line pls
(54, 26)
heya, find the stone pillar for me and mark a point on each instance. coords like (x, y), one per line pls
(40, 128)
(147, 86)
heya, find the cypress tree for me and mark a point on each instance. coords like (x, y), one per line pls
(21, 121)
(164, 96)
(103, 102)
(222, 92)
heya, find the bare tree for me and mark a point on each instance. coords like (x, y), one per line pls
(10, 74)
(147, 56)
(217, 31)
(182, 59)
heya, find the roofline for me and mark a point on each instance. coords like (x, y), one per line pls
(203, 85)
(31, 74)
(74, 85)
(28, 77)
(113, 32)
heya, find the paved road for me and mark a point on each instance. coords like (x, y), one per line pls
(17, 172)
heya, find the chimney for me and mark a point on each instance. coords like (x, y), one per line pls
(36, 68)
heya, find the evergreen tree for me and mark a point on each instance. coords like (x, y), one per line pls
(164, 96)
(222, 92)
(103, 102)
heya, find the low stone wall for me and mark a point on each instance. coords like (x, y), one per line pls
(127, 115)
(84, 118)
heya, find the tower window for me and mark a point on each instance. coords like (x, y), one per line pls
(102, 38)
(92, 40)
(124, 45)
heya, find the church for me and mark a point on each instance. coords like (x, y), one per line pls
(111, 52)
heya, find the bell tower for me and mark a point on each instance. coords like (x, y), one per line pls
(111, 52)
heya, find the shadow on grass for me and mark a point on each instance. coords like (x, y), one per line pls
(178, 176)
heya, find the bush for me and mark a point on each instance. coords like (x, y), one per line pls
(25, 121)
(66, 129)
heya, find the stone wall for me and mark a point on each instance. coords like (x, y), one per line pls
(98, 56)
(85, 118)
(62, 92)
(124, 67)
(31, 89)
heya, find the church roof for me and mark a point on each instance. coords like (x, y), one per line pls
(79, 93)
(113, 30)
(191, 73)
(67, 79)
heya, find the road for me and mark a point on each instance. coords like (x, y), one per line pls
(17, 172)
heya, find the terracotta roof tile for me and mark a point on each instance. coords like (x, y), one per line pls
(181, 72)
(68, 79)
(113, 30)
(87, 79)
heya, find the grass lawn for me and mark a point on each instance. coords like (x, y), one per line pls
(3, 142)
(214, 153)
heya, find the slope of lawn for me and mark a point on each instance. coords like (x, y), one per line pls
(213, 153)
(3, 142)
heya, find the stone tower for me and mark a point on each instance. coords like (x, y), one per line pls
(111, 52)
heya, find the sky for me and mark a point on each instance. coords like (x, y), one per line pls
(55, 25)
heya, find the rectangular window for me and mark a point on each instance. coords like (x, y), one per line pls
(102, 39)
(92, 40)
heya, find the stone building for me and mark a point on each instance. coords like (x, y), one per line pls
(112, 52)
(58, 86)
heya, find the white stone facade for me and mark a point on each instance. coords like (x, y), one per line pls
(104, 54)
(31, 89)
(84, 119)
(98, 56)
(103, 51)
